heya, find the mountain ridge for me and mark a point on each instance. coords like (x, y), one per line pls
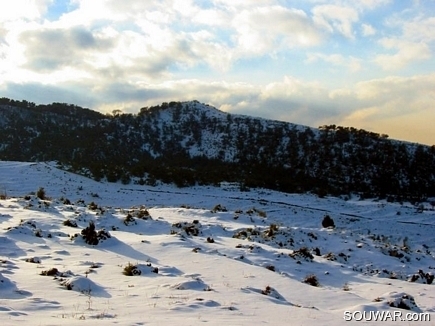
(194, 143)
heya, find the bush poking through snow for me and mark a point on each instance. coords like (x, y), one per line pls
(271, 268)
(129, 219)
(425, 278)
(33, 260)
(219, 208)
(189, 228)
(267, 290)
(311, 280)
(70, 223)
(303, 253)
(90, 235)
(328, 222)
(143, 213)
(51, 272)
(40, 193)
(93, 237)
(403, 301)
(131, 270)
(273, 228)
(260, 212)
(93, 206)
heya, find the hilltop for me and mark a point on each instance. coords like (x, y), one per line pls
(190, 143)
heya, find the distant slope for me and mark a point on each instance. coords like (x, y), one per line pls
(209, 255)
(189, 143)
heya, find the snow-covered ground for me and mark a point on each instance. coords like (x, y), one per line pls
(205, 255)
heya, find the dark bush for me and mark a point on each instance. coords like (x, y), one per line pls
(328, 222)
(90, 235)
(41, 193)
(311, 280)
(131, 270)
(70, 223)
(50, 272)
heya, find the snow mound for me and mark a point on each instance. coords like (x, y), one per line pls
(84, 285)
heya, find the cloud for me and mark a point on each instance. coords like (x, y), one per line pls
(420, 29)
(361, 5)
(51, 49)
(350, 63)
(236, 29)
(334, 18)
(368, 30)
(407, 52)
(369, 4)
(243, 56)
(264, 29)
(399, 106)
(23, 9)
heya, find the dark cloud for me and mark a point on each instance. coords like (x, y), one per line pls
(51, 49)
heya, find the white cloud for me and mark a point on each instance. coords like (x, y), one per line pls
(350, 63)
(368, 30)
(135, 53)
(336, 18)
(23, 9)
(407, 52)
(369, 4)
(421, 29)
(264, 29)
(360, 5)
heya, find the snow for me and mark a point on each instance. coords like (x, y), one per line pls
(210, 255)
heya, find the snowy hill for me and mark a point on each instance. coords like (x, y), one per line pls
(204, 254)
(190, 143)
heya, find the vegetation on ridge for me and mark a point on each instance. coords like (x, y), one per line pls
(192, 143)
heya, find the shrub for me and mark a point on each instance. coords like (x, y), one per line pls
(92, 206)
(143, 213)
(41, 193)
(272, 229)
(260, 212)
(219, 208)
(311, 280)
(50, 272)
(303, 252)
(271, 268)
(129, 219)
(89, 234)
(33, 260)
(328, 222)
(70, 223)
(131, 270)
(93, 237)
(267, 290)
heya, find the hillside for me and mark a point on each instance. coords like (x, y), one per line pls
(190, 143)
(214, 255)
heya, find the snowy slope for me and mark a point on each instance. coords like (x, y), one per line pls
(204, 254)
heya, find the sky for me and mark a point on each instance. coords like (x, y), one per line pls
(366, 64)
